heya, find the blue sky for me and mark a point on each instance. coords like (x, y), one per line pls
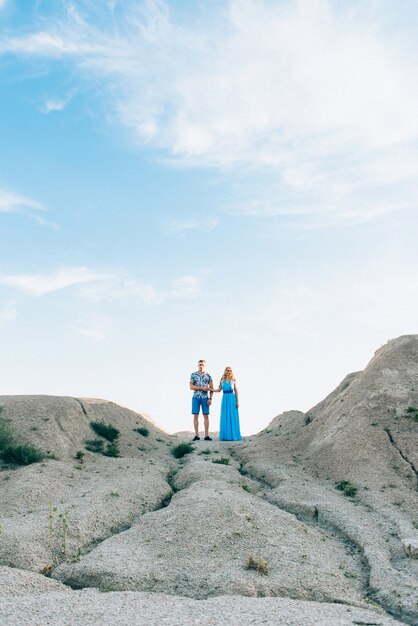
(234, 181)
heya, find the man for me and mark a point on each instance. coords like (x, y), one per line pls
(201, 383)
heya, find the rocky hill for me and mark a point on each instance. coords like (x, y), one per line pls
(312, 521)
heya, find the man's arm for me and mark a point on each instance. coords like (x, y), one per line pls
(210, 389)
(194, 387)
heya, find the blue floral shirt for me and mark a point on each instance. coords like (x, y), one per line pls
(200, 380)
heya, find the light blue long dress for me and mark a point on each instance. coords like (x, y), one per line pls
(229, 427)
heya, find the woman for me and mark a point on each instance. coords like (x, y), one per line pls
(229, 427)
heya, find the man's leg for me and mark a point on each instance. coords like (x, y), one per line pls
(206, 423)
(205, 411)
(195, 412)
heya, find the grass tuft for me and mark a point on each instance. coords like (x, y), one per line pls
(24, 454)
(308, 418)
(257, 563)
(94, 445)
(181, 450)
(412, 411)
(15, 453)
(142, 430)
(112, 449)
(224, 460)
(347, 488)
(107, 431)
(6, 436)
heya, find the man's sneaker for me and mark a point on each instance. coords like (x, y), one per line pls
(208, 438)
(196, 438)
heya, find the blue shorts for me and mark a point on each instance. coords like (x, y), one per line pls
(200, 402)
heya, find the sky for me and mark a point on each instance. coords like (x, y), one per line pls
(230, 180)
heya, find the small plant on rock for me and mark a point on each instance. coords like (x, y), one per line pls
(142, 430)
(11, 451)
(347, 488)
(181, 450)
(308, 418)
(6, 437)
(24, 454)
(64, 531)
(412, 412)
(112, 449)
(107, 431)
(51, 521)
(224, 460)
(57, 536)
(95, 445)
(257, 563)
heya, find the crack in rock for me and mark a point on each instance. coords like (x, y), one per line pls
(404, 457)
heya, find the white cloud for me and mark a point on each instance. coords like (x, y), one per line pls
(8, 313)
(147, 293)
(41, 284)
(12, 202)
(375, 298)
(54, 105)
(95, 328)
(321, 97)
(49, 44)
(181, 227)
(184, 287)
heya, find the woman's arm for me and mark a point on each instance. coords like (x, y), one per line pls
(236, 393)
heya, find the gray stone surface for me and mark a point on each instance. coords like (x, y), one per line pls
(199, 547)
(155, 609)
(17, 582)
(146, 523)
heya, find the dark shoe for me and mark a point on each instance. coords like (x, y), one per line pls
(196, 438)
(208, 438)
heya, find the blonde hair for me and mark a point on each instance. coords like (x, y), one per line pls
(232, 377)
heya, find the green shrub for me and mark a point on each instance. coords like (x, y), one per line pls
(79, 455)
(11, 451)
(94, 445)
(6, 436)
(412, 411)
(112, 449)
(107, 431)
(222, 461)
(142, 430)
(181, 450)
(24, 454)
(347, 488)
(308, 418)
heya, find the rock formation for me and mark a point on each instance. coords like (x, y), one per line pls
(313, 520)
